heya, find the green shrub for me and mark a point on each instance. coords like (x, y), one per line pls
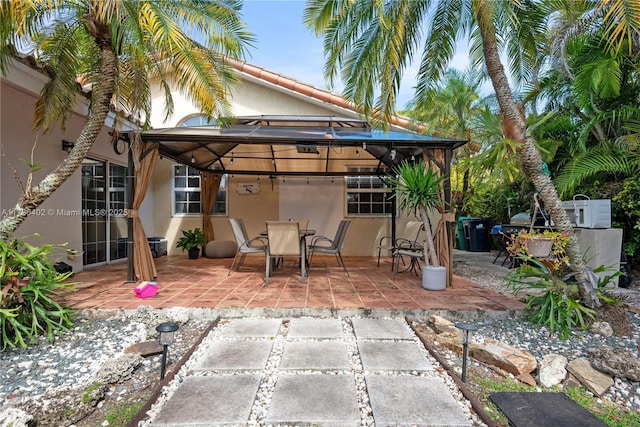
(553, 296)
(29, 284)
(626, 214)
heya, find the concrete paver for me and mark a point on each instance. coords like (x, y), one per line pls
(314, 328)
(326, 372)
(250, 327)
(394, 356)
(323, 355)
(210, 401)
(410, 401)
(236, 354)
(381, 329)
(314, 399)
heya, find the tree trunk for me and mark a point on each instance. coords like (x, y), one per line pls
(101, 101)
(533, 165)
(430, 255)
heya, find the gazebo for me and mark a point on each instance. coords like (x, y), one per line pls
(274, 146)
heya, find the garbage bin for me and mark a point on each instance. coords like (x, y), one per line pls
(461, 241)
(476, 232)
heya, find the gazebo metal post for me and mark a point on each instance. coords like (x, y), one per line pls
(130, 190)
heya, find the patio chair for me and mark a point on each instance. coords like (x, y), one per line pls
(303, 223)
(415, 255)
(324, 245)
(408, 239)
(245, 245)
(285, 240)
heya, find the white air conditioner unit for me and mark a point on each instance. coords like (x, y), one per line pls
(587, 213)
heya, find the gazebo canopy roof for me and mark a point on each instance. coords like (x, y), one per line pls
(293, 145)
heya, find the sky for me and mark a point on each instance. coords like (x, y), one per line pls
(284, 45)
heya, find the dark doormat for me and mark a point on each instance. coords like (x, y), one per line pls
(543, 410)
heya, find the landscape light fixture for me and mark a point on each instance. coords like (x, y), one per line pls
(67, 145)
(466, 328)
(166, 332)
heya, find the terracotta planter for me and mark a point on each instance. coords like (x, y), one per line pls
(539, 248)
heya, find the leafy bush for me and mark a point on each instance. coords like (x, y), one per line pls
(553, 298)
(626, 214)
(496, 202)
(29, 284)
(554, 302)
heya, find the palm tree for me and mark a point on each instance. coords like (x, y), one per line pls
(371, 43)
(449, 108)
(119, 48)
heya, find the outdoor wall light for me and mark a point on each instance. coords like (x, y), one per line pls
(166, 332)
(466, 328)
(67, 145)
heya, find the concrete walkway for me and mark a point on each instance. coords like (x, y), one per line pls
(311, 371)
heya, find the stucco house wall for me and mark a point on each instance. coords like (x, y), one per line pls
(58, 219)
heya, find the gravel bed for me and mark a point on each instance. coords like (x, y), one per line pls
(76, 356)
(537, 341)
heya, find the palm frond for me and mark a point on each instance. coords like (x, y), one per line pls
(593, 162)
(61, 52)
(439, 45)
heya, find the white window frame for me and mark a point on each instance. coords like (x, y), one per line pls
(193, 173)
(369, 189)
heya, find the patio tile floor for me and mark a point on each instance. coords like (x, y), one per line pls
(204, 283)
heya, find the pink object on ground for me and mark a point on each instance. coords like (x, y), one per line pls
(146, 289)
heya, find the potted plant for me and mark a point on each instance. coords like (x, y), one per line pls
(191, 241)
(417, 188)
(538, 244)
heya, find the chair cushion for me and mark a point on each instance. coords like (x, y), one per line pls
(221, 249)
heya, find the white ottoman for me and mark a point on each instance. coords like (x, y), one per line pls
(221, 249)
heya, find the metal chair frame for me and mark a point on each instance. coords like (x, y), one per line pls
(245, 244)
(408, 240)
(334, 245)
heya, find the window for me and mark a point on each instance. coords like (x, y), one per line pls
(368, 196)
(186, 193)
(198, 120)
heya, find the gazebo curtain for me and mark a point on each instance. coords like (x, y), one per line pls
(143, 265)
(209, 185)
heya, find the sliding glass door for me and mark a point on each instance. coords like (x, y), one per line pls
(104, 225)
